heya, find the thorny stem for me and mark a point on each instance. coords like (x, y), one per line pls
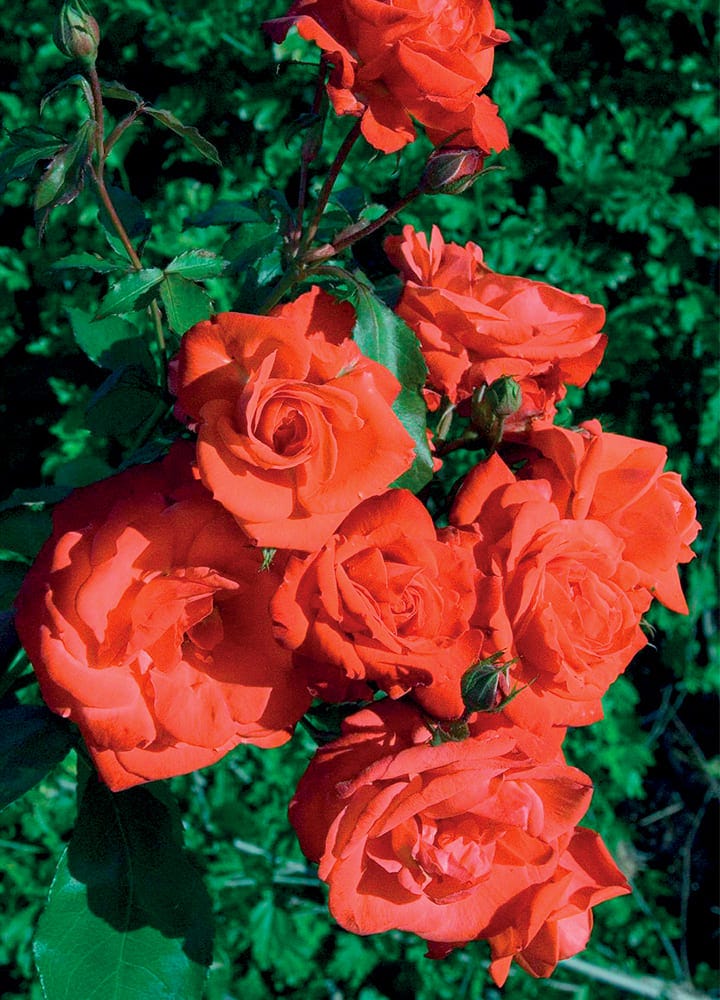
(121, 127)
(335, 168)
(352, 234)
(98, 176)
(114, 217)
(99, 116)
(342, 244)
(306, 158)
(284, 284)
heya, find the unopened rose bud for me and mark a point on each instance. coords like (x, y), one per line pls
(76, 33)
(491, 405)
(452, 171)
(504, 396)
(480, 684)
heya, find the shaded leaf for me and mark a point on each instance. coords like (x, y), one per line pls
(32, 741)
(132, 215)
(251, 242)
(64, 176)
(188, 132)
(185, 303)
(225, 213)
(110, 342)
(76, 80)
(132, 292)
(23, 530)
(27, 147)
(12, 574)
(35, 499)
(197, 264)
(124, 401)
(111, 88)
(383, 336)
(128, 915)
(86, 261)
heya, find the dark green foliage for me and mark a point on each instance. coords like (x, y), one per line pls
(609, 190)
(126, 909)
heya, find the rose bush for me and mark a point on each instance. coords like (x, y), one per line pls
(295, 426)
(570, 604)
(384, 601)
(475, 325)
(393, 62)
(620, 481)
(146, 619)
(445, 841)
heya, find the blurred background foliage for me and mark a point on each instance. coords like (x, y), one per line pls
(610, 190)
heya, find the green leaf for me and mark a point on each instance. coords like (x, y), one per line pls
(251, 242)
(128, 916)
(76, 80)
(27, 147)
(132, 292)
(225, 213)
(123, 403)
(188, 132)
(185, 303)
(64, 176)
(24, 530)
(119, 92)
(383, 336)
(197, 264)
(32, 741)
(13, 570)
(132, 215)
(270, 924)
(87, 262)
(34, 499)
(111, 342)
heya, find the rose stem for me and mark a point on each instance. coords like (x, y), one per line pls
(98, 176)
(308, 155)
(335, 168)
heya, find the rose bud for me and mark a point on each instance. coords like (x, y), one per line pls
(452, 171)
(76, 32)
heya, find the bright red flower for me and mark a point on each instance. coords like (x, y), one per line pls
(384, 601)
(295, 425)
(620, 482)
(443, 840)
(395, 60)
(555, 592)
(146, 619)
(475, 325)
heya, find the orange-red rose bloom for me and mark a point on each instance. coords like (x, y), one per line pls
(570, 604)
(553, 920)
(443, 841)
(620, 481)
(383, 601)
(146, 619)
(475, 325)
(395, 60)
(295, 425)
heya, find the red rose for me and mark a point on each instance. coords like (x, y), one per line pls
(475, 325)
(620, 481)
(570, 603)
(385, 602)
(295, 425)
(146, 619)
(553, 920)
(436, 840)
(396, 61)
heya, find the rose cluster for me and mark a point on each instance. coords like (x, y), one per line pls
(206, 600)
